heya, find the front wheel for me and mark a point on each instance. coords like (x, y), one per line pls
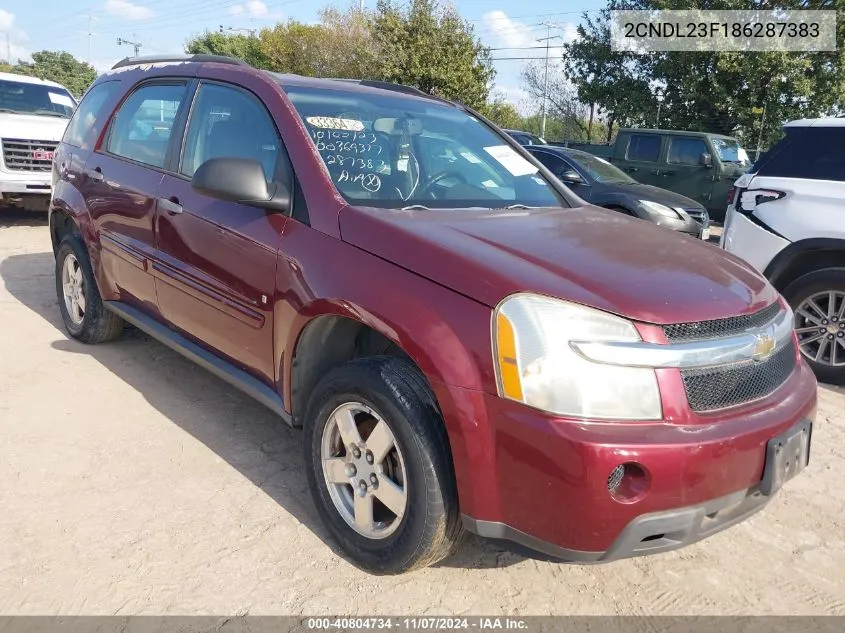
(818, 301)
(379, 465)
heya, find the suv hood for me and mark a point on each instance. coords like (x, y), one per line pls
(589, 255)
(32, 127)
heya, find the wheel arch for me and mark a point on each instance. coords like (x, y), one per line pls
(802, 257)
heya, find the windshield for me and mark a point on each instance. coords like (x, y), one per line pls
(729, 150)
(26, 98)
(393, 151)
(599, 169)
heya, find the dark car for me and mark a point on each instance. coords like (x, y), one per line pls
(605, 185)
(526, 138)
(464, 342)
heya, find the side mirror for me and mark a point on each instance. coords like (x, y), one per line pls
(706, 160)
(571, 177)
(240, 180)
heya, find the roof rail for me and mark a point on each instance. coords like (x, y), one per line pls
(387, 85)
(157, 59)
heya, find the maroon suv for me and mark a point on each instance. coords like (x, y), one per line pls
(466, 343)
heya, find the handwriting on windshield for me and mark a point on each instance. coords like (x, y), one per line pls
(370, 182)
(353, 157)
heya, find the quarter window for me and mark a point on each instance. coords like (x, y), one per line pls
(686, 151)
(141, 128)
(812, 153)
(229, 123)
(644, 148)
(89, 112)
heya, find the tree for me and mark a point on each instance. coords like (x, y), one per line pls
(431, 47)
(237, 45)
(502, 113)
(60, 67)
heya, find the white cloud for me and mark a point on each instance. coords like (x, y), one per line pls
(126, 9)
(507, 32)
(255, 8)
(7, 20)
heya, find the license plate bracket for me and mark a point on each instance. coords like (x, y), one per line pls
(787, 455)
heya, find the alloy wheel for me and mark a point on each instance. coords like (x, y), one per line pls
(820, 327)
(364, 470)
(73, 289)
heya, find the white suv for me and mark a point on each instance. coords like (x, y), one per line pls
(786, 217)
(33, 116)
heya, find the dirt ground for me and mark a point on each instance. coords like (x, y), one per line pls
(132, 482)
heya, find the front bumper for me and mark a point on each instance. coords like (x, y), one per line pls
(25, 189)
(541, 483)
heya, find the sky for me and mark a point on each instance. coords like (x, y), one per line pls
(89, 29)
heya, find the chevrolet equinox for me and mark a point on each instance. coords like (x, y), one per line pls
(466, 344)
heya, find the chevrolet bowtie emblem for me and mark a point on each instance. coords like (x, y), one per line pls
(763, 347)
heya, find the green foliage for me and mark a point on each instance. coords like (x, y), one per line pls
(711, 91)
(60, 67)
(231, 45)
(502, 113)
(430, 46)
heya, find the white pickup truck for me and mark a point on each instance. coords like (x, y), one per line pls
(33, 116)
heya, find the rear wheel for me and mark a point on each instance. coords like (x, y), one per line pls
(379, 465)
(818, 300)
(83, 312)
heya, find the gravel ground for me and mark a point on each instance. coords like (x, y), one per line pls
(133, 482)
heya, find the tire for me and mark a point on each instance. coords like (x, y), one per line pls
(390, 390)
(820, 284)
(96, 324)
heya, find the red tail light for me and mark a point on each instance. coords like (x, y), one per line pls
(731, 193)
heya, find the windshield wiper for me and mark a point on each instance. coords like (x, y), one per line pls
(9, 110)
(50, 113)
(520, 206)
(416, 207)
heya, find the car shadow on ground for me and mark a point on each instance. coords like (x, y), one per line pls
(239, 430)
(21, 217)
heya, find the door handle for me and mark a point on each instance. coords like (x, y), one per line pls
(655, 172)
(632, 169)
(170, 205)
(668, 173)
(95, 174)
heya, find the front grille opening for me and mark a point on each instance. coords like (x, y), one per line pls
(720, 327)
(713, 388)
(28, 155)
(653, 537)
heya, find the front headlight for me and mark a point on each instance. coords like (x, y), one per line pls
(662, 209)
(536, 364)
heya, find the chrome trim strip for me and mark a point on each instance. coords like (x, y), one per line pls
(756, 345)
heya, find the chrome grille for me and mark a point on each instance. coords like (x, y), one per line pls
(712, 388)
(719, 328)
(699, 215)
(26, 155)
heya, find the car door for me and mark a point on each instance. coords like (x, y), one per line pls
(684, 172)
(120, 182)
(642, 156)
(559, 166)
(216, 266)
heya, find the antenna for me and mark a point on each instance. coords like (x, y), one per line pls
(90, 33)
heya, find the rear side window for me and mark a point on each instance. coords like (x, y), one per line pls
(556, 165)
(141, 128)
(813, 153)
(685, 150)
(89, 113)
(644, 148)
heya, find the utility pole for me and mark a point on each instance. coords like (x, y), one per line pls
(362, 6)
(137, 45)
(90, 33)
(549, 37)
(8, 49)
(659, 97)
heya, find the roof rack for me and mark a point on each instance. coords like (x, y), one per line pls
(157, 59)
(387, 85)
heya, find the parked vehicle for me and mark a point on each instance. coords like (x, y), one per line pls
(465, 343)
(786, 219)
(33, 117)
(698, 165)
(526, 138)
(602, 184)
